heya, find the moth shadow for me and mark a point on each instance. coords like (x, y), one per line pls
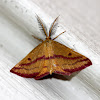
(72, 75)
(60, 77)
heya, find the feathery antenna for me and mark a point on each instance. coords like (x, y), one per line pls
(42, 25)
(53, 27)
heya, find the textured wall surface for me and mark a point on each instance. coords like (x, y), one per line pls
(80, 19)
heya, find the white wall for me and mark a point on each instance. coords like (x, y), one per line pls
(81, 20)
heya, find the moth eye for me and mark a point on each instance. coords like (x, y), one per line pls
(29, 58)
(69, 54)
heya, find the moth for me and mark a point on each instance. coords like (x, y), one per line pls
(50, 57)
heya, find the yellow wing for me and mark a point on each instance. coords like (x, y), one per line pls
(67, 61)
(33, 65)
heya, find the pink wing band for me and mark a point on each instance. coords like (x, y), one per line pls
(25, 75)
(51, 57)
(79, 68)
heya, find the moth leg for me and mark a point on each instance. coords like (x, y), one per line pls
(59, 35)
(37, 38)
